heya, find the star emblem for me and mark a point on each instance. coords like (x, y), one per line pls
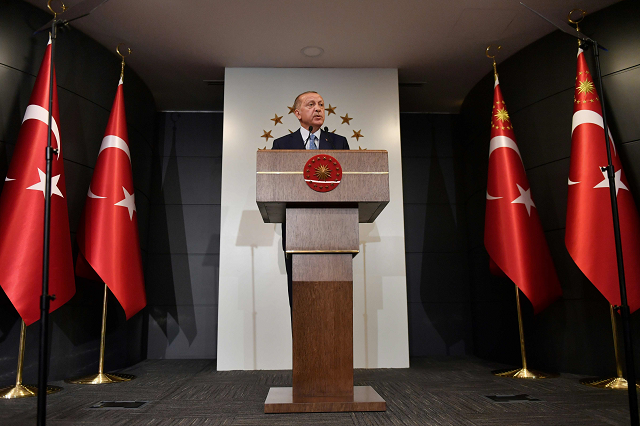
(291, 110)
(586, 87)
(357, 135)
(323, 172)
(40, 186)
(346, 119)
(266, 135)
(618, 182)
(524, 198)
(129, 202)
(290, 131)
(330, 110)
(276, 120)
(502, 115)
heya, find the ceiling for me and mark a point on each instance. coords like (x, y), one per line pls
(437, 46)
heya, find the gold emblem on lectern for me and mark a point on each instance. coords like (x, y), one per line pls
(322, 173)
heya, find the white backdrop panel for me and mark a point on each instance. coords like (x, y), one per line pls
(254, 326)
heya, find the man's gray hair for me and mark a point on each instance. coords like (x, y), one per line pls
(296, 103)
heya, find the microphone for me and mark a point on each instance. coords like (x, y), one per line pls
(326, 129)
(308, 137)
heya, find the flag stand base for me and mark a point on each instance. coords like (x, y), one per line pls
(101, 378)
(617, 383)
(523, 373)
(19, 390)
(25, 391)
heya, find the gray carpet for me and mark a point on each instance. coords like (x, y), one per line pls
(447, 391)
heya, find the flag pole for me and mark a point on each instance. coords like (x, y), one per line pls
(524, 372)
(618, 382)
(624, 306)
(101, 377)
(45, 297)
(20, 390)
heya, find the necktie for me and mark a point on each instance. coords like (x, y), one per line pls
(312, 144)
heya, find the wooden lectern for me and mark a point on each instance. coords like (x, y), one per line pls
(322, 236)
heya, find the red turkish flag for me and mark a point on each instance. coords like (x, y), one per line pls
(589, 233)
(108, 232)
(22, 209)
(513, 234)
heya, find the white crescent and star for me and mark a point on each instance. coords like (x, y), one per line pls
(502, 142)
(585, 116)
(40, 186)
(618, 182)
(36, 112)
(524, 198)
(113, 141)
(129, 202)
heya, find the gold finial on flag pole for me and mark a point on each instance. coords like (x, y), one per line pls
(122, 56)
(493, 58)
(55, 14)
(577, 22)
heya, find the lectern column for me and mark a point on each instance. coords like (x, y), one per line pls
(322, 326)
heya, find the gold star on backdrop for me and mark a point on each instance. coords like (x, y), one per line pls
(502, 115)
(266, 135)
(586, 87)
(346, 119)
(291, 110)
(276, 120)
(290, 131)
(331, 110)
(357, 135)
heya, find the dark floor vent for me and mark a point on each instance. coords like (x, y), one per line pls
(116, 405)
(512, 398)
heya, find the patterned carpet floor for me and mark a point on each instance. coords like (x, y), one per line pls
(445, 391)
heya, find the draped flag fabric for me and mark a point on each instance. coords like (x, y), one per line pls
(108, 232)
(589, 232)
(513, 234)
(22, 209)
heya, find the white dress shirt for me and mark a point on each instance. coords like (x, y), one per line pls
(305, 134)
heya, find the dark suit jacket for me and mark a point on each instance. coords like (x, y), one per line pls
(294, 141)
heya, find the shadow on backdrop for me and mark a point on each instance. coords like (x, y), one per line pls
(253, 233)
(172, 277)
(440, 293)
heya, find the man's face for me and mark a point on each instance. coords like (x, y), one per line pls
(311, 111)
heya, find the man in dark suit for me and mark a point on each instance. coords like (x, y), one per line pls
(309, 110)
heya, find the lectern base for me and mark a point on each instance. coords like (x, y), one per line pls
(280, 400)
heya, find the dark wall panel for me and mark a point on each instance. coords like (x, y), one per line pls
(573, 334)
(87, 76)
(184, 236)
(435, 236)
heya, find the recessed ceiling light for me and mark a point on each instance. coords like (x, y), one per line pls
(312, 51)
